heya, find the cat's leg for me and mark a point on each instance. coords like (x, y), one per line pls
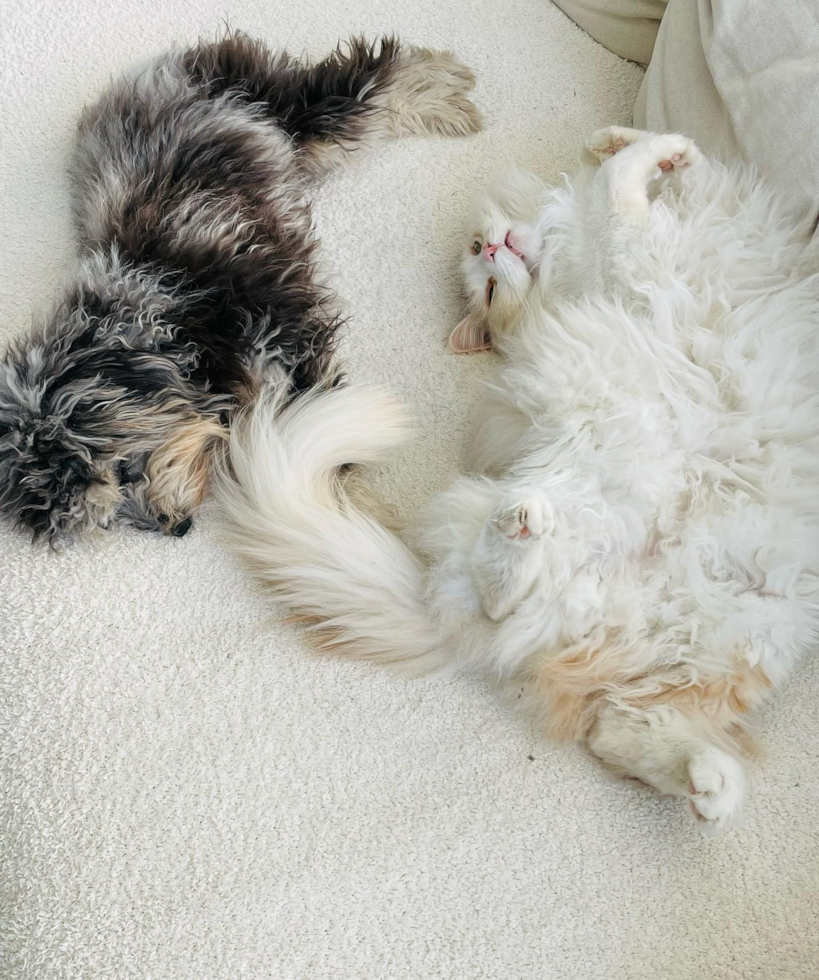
(362, 93)
(625, 177)
(615, 206)
(675, 754)
(508, 556)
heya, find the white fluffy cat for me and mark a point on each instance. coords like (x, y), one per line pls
(639, 549)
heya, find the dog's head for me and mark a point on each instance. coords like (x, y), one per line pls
(56, 469)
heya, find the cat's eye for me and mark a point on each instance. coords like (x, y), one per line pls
(476, 247)
(490, 291)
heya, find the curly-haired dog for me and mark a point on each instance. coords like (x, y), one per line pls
(196, 280)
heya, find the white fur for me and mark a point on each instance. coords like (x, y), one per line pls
(651, 464)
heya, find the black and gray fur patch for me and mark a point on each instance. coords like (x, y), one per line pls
(196, 278)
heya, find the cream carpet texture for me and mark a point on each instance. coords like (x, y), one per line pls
(188, 794)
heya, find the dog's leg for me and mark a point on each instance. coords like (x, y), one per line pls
(362, 93)
(177, 472)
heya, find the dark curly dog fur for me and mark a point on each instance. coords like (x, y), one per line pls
(196, 282)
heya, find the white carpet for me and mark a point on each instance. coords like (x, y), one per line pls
(188, 794)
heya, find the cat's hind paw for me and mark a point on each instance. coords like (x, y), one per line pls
(523, 519)
(716, 789)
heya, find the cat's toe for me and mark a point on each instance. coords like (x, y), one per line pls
(511, 521)
(716, 789)
(524, 519)
(673, 153)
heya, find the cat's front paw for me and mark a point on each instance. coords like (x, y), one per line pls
(604, 143)
(716, 789)
(653, 158)
(672, 153)
(628, 174)
(523, 519)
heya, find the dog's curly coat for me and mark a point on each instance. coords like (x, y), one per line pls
(196, 280)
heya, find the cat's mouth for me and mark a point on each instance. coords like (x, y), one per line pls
(512, 248)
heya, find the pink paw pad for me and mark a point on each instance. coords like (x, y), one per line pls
(667, 165)
(614, 146)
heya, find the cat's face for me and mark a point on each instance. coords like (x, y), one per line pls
(500, 260)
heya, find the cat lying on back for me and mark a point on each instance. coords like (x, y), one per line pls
(641, 550)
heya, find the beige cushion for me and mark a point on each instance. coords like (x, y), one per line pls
(742, 78)
(626, 27)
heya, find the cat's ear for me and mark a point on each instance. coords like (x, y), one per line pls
(471, 334)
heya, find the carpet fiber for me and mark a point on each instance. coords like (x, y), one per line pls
(189, 794)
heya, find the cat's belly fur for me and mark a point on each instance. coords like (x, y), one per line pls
(736, 584)
(683, 487)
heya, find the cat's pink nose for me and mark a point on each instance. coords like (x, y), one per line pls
(489, 251)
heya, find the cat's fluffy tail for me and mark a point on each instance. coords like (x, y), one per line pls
(353, 584)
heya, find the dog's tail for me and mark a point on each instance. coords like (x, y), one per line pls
(353, 584)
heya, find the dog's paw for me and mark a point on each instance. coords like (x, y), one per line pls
(716, 789)
(176, 527)
(450, 66)
(432, 94)
(523, 519)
